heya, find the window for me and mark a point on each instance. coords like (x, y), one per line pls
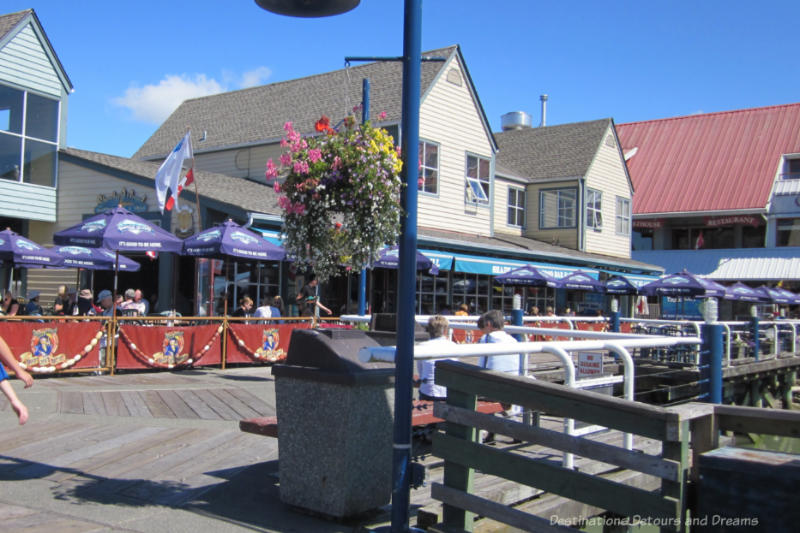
(516, 207)
(792, 169)
(478, 179)
(29, 126)
(788, 232)
(429, 167)
(623, 221)
(594, 209)
(557, 208)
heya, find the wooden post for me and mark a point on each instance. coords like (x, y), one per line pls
(677, 450)
(788, 382)
(224, 339)
(457, 476)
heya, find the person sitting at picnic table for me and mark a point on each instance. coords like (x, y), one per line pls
(245, 307)
(130, 306)
(84, 306)
(139, 298)
(463, 310)
(105, 300)
(439, 330)
(10, 304)
(32, 307)
(61, 305)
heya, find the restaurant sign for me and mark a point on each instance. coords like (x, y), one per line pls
(648, 223)
(127, 198)
(734, 220)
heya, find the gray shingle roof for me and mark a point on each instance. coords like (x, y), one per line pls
(257, 115)
(9, 22)
(562, 151)
(240, 193)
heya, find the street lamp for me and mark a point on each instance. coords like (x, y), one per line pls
(407, 271)
(308, 8)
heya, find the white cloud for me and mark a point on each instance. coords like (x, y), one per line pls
(257, 76)
(153, 103)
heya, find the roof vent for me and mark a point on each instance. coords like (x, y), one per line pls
(516, 120)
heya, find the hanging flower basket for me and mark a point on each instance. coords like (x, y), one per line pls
(340, 195)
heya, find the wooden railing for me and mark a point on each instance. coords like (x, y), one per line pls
(598, 493)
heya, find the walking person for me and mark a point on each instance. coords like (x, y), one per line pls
(307, 299)
(9, 360)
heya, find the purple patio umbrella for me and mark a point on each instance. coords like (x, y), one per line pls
(684, 284)
(620, 285)
(742, 293)
(794, 297)
(25, 253)
(95, 259)
(526, 275)
(581, 281)
(389, 258)
(229, 239)
(776, 296)
(119, 230)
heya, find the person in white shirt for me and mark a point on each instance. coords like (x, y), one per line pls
(439, 331)
(265, 311)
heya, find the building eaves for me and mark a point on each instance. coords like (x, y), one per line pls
(551, 152)
(240, 193)
(523, 248)
(258, 114)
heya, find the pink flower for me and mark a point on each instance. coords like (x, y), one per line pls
(284, 203)
(272, 170)
(298, 208)
(300, 167)
(337, 163)
(284, 143)
(288, 127)
(277, 187)
(286, 159)
(382, 115)
(315, 154)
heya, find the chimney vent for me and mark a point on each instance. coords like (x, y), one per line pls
(516, 120)
(543, 98)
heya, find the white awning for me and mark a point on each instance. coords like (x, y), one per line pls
(757, 268)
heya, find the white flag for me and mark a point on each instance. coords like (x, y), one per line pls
(169, 174)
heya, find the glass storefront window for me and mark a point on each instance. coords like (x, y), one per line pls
(471, 289)
(431, 293)
(788, 232)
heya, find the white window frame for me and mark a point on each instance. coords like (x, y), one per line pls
(517, 208)
(422, 168)
(594, 209)
(475, 191)
(562, 222)
(623, 217)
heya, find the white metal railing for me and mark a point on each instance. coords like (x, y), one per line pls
(618, 346)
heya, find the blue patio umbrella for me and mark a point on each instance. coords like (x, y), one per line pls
(581, 281)
(95, 259)
(229, 239)
(776, 296)
(684, 284)
(21, 252)
(389, 258)
(119, 230)
(794, 297)
(620, 285)
(742, 293)
(528, 276)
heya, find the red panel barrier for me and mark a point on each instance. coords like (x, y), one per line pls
(46, 347)
(168, 347)
(266, 343)
(466, 336)
(592, 326)
(626, 327)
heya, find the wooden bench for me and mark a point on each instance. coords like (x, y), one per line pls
(421, 415)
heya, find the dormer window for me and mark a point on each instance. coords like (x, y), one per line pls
(792, 169)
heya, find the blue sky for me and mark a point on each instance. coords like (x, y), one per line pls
(133, 62)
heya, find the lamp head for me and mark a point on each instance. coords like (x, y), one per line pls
(308, 8)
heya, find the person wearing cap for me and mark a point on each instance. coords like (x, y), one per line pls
(32, 307)
(105, 300)
(84, 306)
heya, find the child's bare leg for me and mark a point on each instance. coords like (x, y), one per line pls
(18, 406)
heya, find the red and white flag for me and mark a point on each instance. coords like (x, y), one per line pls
(185, 182)
(169, 173)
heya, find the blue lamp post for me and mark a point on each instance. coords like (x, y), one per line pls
(404, 367)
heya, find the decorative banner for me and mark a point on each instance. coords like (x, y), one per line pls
(47, 347)
(266, 343)
(168, 347)
(466, 336)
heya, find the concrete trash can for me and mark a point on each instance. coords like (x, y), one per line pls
(334, 424)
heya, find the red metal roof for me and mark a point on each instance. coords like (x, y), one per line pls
(711, 162)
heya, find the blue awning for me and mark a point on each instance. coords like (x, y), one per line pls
(492, 266)
(443, 260)
(272, 236)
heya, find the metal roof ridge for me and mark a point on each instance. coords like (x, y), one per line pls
(712, 113)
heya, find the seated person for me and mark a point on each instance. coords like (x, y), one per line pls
(439, 331)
